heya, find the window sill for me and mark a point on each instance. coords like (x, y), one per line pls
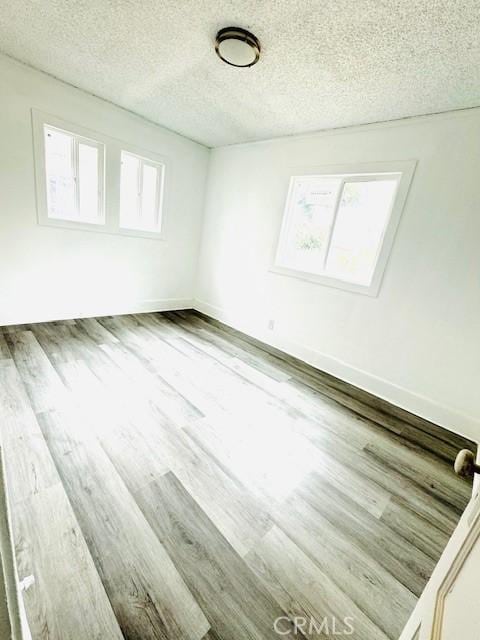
(368, 290)
(103, 228)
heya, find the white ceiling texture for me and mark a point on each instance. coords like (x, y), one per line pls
(324, 64)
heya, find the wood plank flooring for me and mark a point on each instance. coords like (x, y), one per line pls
(173, 479)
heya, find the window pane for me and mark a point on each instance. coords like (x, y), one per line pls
(310, 217)
(359, 227)
(60, 174)
(88, 182)
(129, 196)
(149, 198)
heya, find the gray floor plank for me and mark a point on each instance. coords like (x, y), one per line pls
(29, 466)
(230, 595)
(132, 451)
(405, 522)
(424, 471)
(42, 383)
(306, 592)
(116, 422)
(260, 361)
(177, 407)
(445, 444)
(399, 557)
(67, 600)
(358, 574)
(95, 331)
(441, 516)
(4, 350)
(238, 515)
(149, 597)
(247, 352)
(237, 445)
(199, 483)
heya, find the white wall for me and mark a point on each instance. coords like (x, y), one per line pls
(416, 344)
(48, 273)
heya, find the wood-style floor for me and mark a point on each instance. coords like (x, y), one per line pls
(171, 479)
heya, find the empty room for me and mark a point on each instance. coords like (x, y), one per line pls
(239, 320)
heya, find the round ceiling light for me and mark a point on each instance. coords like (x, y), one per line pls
(237, 47)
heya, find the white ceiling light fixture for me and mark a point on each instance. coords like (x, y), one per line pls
(237, 47)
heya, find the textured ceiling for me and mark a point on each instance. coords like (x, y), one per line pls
(323, 64)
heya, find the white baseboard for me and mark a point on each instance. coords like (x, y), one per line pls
(25, 314)
(420, 405)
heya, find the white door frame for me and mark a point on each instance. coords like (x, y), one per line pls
(14, 610)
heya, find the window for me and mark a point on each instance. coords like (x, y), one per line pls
(74, 176)
(338, 228)
(141, 193)
(86, 180)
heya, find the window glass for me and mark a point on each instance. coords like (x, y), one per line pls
(334, 225)
(149, 197)
(361, 221)
(140, 195)
(74, 177)
(129, 190)
(59, 162)
(312, 207)
(88, 181)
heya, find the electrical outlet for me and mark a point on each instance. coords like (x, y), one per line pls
(271, 325)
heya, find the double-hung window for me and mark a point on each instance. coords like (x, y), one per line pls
(338, 228)
(141, 193)
(74, 174)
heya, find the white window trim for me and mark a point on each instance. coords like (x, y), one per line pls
(357, 171)
(77, 141)
(160, 166)
(40, 121)
(111, 179)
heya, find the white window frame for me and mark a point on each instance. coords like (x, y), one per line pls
(77, 140)
(111, 178)
(160, 186)
(403, 170)
(79, 135)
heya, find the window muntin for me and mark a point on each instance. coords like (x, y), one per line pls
(334, 225)
(74, 177)
(141, 193)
